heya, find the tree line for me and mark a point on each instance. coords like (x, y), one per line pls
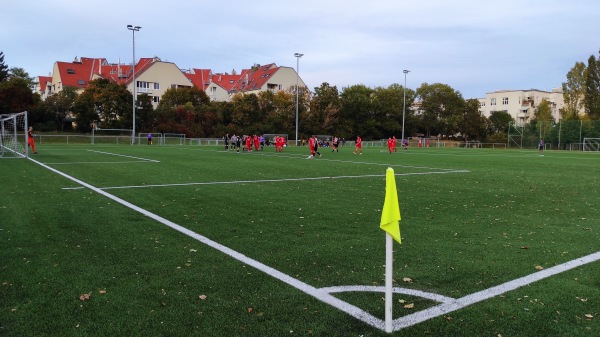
(372, 113)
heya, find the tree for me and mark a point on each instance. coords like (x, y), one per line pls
(357, 109)
(180, 111)
(390, 107)
(21, 73)
(16, 96)
(473, 124)
(574, 91)
(324, 113)
(543, 117)
(145, 115)
(59, 106)
(3, 68)
(104, 103)
(442, 108)
(592, 88)
(499, 121)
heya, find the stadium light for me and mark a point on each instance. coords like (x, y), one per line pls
(133, 29)
(297, 56)
(404, 102)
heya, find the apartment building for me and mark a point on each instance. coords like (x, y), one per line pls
(154, 77)
(521, 104)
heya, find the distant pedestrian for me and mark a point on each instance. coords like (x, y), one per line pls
(541, 146)
(149, 139)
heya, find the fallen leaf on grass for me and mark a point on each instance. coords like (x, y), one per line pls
(202, 297)
(250, 310)
(407, 279)
(85, 297)
(102, 292)
(409, 306)
(588, 317)
(539, 267)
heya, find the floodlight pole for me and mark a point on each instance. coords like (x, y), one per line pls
(297, 56)
(133, 29)
(404, 102)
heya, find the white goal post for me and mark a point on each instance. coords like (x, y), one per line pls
(13, 135)
(591, 144)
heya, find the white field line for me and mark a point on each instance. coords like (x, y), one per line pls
(100, 162)
(266, 180)
(448, 304)
(122, 155)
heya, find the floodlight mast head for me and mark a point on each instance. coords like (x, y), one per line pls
(131, 27)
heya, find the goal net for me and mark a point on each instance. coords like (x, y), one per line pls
(591, 144)
(13, 135)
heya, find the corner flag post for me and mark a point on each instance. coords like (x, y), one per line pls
(390, 222)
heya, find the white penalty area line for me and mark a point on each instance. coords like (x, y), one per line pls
(324, 294)
(235, 182)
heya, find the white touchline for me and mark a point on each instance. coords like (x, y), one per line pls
(122, 155)
(323, 294)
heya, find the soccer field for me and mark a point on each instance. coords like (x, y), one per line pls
(122, 240)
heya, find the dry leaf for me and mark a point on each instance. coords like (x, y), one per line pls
(588, 317)
(202, 297)
(102, 292)
(85, 297)
(409, 306)
(250, 310)
(539, 267)
(524, 247)
(407, 279)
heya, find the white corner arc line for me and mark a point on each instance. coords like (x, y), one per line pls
(122, 155)
(397, 290)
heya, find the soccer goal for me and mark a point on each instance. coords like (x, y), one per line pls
(13, 139)
(591, 144)
(174, 138)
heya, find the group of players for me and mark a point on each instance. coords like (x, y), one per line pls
(258, 142)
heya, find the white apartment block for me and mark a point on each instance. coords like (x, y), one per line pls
(521, 104)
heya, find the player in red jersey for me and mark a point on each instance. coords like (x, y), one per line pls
(358, 145)
(30, 140)
(256, 143)
(390, 144)
(248, 143)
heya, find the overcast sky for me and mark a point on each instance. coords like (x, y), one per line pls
(475, 46)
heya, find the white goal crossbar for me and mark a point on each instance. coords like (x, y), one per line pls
(13, 135)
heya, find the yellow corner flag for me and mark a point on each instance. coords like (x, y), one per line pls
(390, 216)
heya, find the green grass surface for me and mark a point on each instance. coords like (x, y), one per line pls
(493, 216)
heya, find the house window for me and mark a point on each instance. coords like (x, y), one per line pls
(156, 86)
(493, 101)
(505, 101)
(155, 99)
(213, 89)
(112, 72)
(81, 82)
(482, 104)
(70, 71)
